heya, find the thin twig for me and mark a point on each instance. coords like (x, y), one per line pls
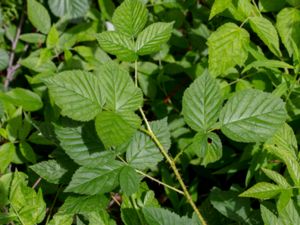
(11, 67)
(36, 183)
(53, 204)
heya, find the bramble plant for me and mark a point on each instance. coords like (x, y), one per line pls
(155, 112)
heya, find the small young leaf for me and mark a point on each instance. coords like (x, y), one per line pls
(52, 38)
(130, 17)
(33, 38)
(252, 116)
(288, 25)
(91, 181)
(262, 190)
(152, 37)
(116, 128)
(27, 152)
(202, 103)
(227, 48)
(266, 63)
(77, 93)
(117, 44)
(129, 180)
(267, 33)
(49, 170)
(38, 16)
(207, 146)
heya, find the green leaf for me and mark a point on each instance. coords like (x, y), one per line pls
(262, 190)
(295, 3)
(83, 145)
(83, 204)
(107, 7)
(142, 152)
(285, 139)
(202, 103)
(290, 214)
(7, 152)
(49, 170)
(271, 6)
(268, 217)
(276, 177)
(208, 147)
(117, 44)
(152, 37)
(288, 25)
(34, 38)
(27, 151)
(4, 59)
(77, 93)
(266, 32)
(61, 219)
(129, 180)
(38, 16)
(130, 17)
(28, 204)
(218, 7)
(159, 216)
(52, 38)
(91, 181)
(69, 8)
(283, 200)
(267, 63)
(227, 48)
(121, 93)
(115, 128)
(252, 116)
(27, 99)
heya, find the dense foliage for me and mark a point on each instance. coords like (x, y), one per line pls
(149, 112)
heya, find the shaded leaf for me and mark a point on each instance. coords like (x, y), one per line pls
(129, 180)
(38, 16)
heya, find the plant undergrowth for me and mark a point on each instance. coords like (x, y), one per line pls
(154, 112)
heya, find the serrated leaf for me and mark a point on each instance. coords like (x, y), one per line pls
(142, 152)
(121, 93)
(61, 219)
(77, 93)
(288, 25)
(69, 8)
(267, 63)
(268, 217)
(207, 146)
(115, 128)
(98, 180)
(159, 216)
(218, 7)
(49, 170)
(83, 204)
(83, 145)
(276, 177)
(38, 16)
(227, 48)
(27, 99)
(266, 32)
(252, 116)
(130, 17)
(129, 180)
(117, 44)
(202, 103)
(7, 152)
(262, 190)
(285, 138)
(152, 37)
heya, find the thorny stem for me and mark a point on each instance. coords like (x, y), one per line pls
(11, 67)
(170, 161)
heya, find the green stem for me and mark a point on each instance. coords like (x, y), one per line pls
(53, 204)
